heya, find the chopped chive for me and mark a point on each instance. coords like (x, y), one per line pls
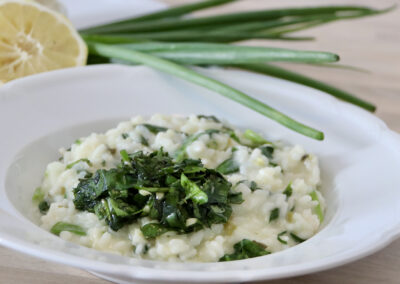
(211, 21)
(125, 135)
(167, 13)
(280, 239)
(69, 166)
(297, 238)
(144, 141)
(288, 190)
(274, 214)
(62, 226)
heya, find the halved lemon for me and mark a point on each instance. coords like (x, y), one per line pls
(35, 39)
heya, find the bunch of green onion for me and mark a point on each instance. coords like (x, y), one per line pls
(169, 42)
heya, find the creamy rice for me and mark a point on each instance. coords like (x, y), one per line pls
(249, 220)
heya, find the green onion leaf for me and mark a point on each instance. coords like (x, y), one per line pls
(288, 190)
(282, 73)
(155, 129)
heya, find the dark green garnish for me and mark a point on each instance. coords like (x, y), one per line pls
(280, 239)
(103, 163)
(62, 226)
(228, 166)
(274, 214)
(288, 190)
(69, 166)
(125, 135)
(297, 238)
(209, 117)
(154, 128)
(246, 249)
(152, 230)
(43, 207)
(268, 151)
(144, 141)
(123, 194)
(253, 186)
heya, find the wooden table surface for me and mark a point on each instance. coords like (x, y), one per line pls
(370, 43)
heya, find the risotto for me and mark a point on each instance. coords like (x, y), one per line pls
(178, 188)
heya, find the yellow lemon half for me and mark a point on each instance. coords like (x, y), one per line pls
(35, 39)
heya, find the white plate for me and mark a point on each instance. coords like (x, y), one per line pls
(360, 158)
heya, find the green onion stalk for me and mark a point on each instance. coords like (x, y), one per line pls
(171, 42)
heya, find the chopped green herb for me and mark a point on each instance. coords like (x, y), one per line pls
(144, 141)
(209, 117)
(38, 195)
(125, 135)
(154, 128)
(228, 166)
(297, 238)
(274, 214)
(246, 249)
(152, 230)
(69, 166)
(62, 226)
(131, 190)
(193, 191)
(288, 190)
(43, 207)
(78, 142)
(103, 163)
(268, 151)
(255, 138)
(280, 239)
(253, 186)
(317, 209)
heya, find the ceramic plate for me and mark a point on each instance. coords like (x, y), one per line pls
(359, 158)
